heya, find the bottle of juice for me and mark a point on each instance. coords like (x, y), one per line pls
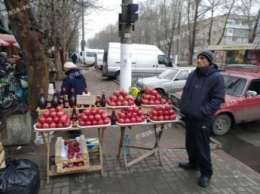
(72, 99)
(103, 100)
(42, 103)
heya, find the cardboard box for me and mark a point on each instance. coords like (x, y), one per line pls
(92, 144)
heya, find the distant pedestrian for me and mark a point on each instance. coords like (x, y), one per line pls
(20, 67)
(202, 95)
(52, 71)
(74, 57)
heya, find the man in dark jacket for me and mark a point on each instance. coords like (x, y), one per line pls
(73, 79)
(202, 95)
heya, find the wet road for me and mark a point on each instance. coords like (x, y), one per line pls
(243, 143)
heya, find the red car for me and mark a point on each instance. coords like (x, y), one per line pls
(242, 100)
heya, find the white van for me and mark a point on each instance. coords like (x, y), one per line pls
(147, 60)
(99, 61)
(88, 57)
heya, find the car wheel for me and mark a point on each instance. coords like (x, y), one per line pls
(161, 92)
(221, 124)
(118, 76)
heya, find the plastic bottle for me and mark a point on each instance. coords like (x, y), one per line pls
(72, 99)
(55, 99)
(138, 99)
(42, 103)
(103, 100)
(50, 95)
(127, 142)
(113, 117)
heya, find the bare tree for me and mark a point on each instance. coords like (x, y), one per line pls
(229, 5)
(33, 38)
(253, 17)
(193, 15)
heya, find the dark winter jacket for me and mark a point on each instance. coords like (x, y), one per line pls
(2, 65)
(20, 68)
(74, 57)
(74, 79)
(203, 93)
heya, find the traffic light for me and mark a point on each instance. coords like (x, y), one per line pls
(131, 15)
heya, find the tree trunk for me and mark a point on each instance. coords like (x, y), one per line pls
(30, 38)
(253, 35)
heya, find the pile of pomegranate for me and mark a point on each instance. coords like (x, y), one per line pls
(130, 115)
(152, 97)
(93, 116)
(54, 118)
(162, 113)
(120, 98)
(73, 151)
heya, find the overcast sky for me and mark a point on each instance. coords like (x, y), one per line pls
(96, 20)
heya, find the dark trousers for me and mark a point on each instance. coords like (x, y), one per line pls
(197, 144)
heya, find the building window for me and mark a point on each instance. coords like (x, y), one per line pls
(229, 39)
(234, 39)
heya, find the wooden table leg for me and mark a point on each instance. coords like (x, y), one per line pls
(158, 135)
(47, 143)
(100, 137)
(121, 141)
(44, 140)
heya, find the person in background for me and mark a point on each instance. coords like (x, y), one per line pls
(74, 57)
(52, 71)
(202, 95)
(20, 67)
(3, 64)
(73, 79)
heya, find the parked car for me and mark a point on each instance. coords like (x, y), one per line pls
(237, 66)
(242, 100)
(169, 81)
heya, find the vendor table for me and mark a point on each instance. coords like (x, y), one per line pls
(158, 131)
(47, 145)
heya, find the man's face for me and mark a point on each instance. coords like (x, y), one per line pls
(202, 62)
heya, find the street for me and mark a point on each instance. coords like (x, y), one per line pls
(243, 143)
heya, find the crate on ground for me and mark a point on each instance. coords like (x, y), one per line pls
(92, 145)
(64, 161)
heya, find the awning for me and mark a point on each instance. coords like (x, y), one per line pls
(8, 38)
(4, 43)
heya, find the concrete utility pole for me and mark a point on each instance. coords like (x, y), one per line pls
(83, 31)
(126, 49)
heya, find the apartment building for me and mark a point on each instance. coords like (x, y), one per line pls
(236, 31)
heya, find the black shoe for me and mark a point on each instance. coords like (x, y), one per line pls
(204, 181)
(188, 166)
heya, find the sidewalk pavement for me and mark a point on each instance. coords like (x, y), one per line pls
(148, 177)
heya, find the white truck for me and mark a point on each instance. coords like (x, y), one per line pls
(89, 56)
(147, 60)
